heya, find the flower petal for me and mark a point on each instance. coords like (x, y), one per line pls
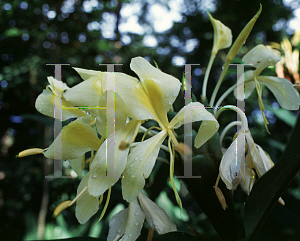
(76, 165)
(261, 57)
(198, 112)
(222, 35)
(86, 93)
(231, 160)
(86, 205)
(99, 182)
(140, 164)
(127, 223)
(161, 89)
(283, 90)
(77, 138)
(156, 216)
(120, 113)
(45, 101)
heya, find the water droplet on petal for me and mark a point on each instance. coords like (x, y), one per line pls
(142, 117)
(270, 59)
(122, 220)
(136, 213)
(119, 230)
(132, 164)
(167, 95)
(217, 126)
(198, 115)
(94, 176)
(149, 116)
(175, 93)
(128, 86)
(40, 109)
(136, 224)
(130, 234)
(136, 158)
(133, 174)
(170, 102)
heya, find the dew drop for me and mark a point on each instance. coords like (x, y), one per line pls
(198, 115)
(217, 125)
(253, 53)
(136, 158)
(167, 95)
(142, 117)
(119, 230)
(133, 174)
(136, 213)
(132, 164)
(136, 224)
(40, 109)
(170, 102)
(128, 86)
(175, 93)
(130, 235)
(122, 220)
(94, 176)
(270, 59)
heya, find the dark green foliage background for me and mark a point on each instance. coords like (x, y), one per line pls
(23, 68)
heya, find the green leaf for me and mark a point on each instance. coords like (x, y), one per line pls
(270, 186)
(177, 236)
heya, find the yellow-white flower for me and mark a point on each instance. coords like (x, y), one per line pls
(283, 90)
(230, 166)
(151, 98)
(45, 101)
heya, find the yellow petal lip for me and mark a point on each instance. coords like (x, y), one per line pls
(159, 90)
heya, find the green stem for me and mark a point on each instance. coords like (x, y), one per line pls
(207, 72)
(213, 97)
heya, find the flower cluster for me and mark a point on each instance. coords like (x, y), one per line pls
(150, 98)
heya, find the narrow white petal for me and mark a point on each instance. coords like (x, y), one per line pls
(99, 182)
(127, 223)
(283, 90)
(140, 164)
(156, 216)
(231, 160)
(86, 205)
(261, 57)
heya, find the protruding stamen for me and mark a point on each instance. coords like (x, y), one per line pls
(68, 203)
(29, 152)
(280, 200)
(61, 207)
(221, 197)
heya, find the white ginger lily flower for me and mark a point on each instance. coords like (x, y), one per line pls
(283, 90)
(151, 98)
(127, 224)
(231, 162)
(45, 101)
